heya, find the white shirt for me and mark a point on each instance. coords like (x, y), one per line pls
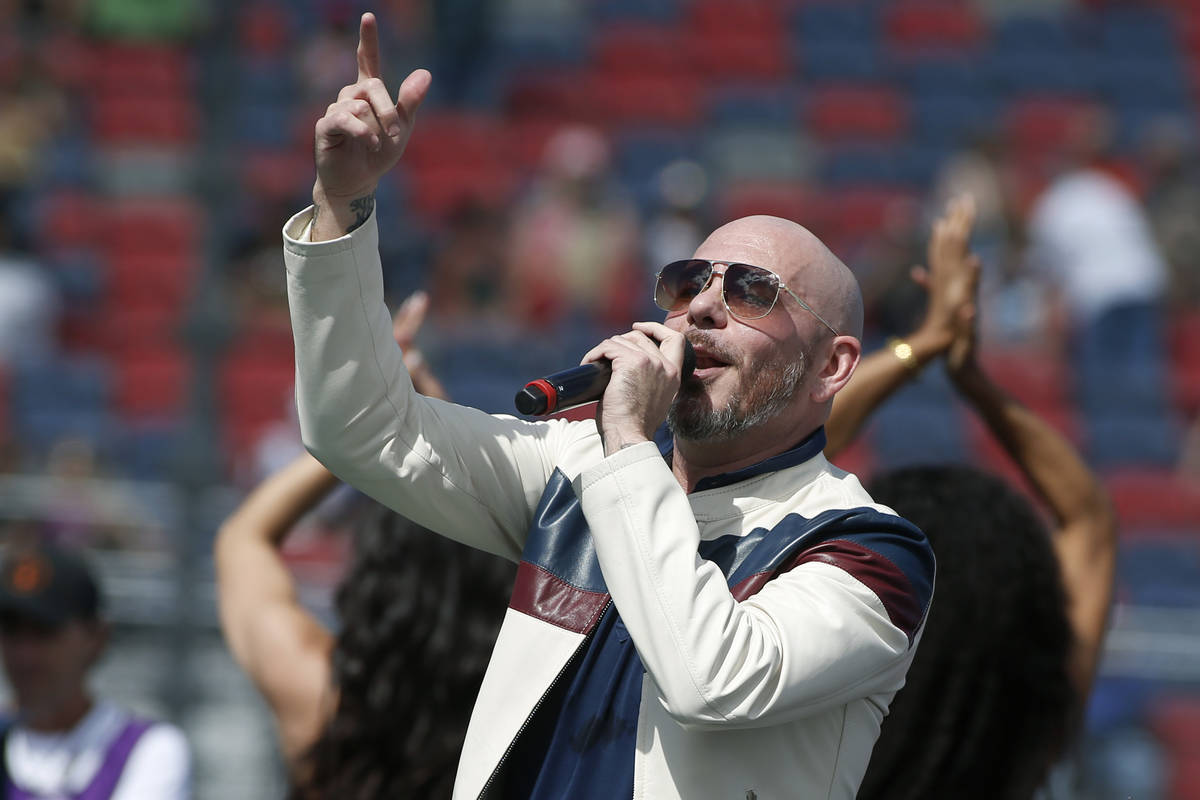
(1089, 232)
(159, 767)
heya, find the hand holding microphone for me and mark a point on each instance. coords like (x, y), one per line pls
(577, 385)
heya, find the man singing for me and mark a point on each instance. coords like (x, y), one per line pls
(704, 607)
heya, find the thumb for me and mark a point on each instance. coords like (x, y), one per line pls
(412, 92)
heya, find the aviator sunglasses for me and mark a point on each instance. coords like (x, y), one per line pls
(749, 292)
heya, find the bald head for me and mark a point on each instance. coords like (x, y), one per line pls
(801, 260)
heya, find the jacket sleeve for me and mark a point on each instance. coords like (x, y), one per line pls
(468, 475)
(813, 638)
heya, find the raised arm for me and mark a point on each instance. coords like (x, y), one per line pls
(1085, 536)
(261, 616)
(951, 280)
(282, 648)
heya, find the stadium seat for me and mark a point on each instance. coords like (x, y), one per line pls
(857, 112)
(141, 69)
(731, 56)
(67, 219)
(931, 26)
(151, 383)
(132, 119)
(629, 100)
(769, 104)
(832, 61)
(446, 139)
(1184, 358)
(1154, 498)
(785, 199)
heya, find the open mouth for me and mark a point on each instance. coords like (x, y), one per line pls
(707, 361)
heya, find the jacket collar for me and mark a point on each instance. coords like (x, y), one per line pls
(810, 446)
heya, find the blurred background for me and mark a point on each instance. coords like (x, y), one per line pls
(151, 151)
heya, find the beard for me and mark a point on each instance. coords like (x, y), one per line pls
(771, 389)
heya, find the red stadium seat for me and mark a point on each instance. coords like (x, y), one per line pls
(653, 51)
(937, 25)
(1148, 498)
(627, 100)
(141, 70)
(868, 113)
(277, 175)
(145, 119)
(1037, 126)
(151, 383)
(120, 329)
(861, 211)
(763, 18)
(68, 219)
(253, 393)
(737, 56)
(175, 225)
(545, 97)
(1184, 350)
(457, 139)
(435, 191)
(151, 280)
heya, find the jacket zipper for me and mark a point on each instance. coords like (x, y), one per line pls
(499, 764)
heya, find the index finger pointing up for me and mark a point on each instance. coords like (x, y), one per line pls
(368, 48)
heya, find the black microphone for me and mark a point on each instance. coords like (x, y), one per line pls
(578, 385)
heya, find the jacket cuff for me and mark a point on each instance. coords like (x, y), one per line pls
(618, 461)
(309, 255)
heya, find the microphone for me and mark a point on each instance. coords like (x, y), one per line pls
(578, 385)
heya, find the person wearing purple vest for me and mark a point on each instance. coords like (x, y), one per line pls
(61, 743)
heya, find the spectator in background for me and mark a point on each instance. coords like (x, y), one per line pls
(62, 741)
(1000, 682)
(29, 301)
(1172, 164)
(1090, 237)
(574, 245)
(379, 709)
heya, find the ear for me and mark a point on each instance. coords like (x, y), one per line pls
(841, 357)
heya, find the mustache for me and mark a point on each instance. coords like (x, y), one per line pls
(705, 341)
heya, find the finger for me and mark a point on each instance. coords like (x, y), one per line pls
(368, 48)
(409, 317)
(376, 94)
(412, 92)
(669, 342)
(344, 124)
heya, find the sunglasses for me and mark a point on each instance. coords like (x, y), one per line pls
(749, 292)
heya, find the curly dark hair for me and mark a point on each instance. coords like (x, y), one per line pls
(988, 702)
(419, 614)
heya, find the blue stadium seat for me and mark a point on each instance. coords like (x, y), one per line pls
(837, 21)
(951, 119)
(635, 10)
(840, 59)
(754, 105)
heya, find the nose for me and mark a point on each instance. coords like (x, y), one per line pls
(707, 309)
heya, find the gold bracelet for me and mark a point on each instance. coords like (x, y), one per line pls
(903, 351)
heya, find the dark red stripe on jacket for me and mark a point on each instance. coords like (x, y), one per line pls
(544, 596)
(873, 570)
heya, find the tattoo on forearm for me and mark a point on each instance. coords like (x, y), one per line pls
(362, 208)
